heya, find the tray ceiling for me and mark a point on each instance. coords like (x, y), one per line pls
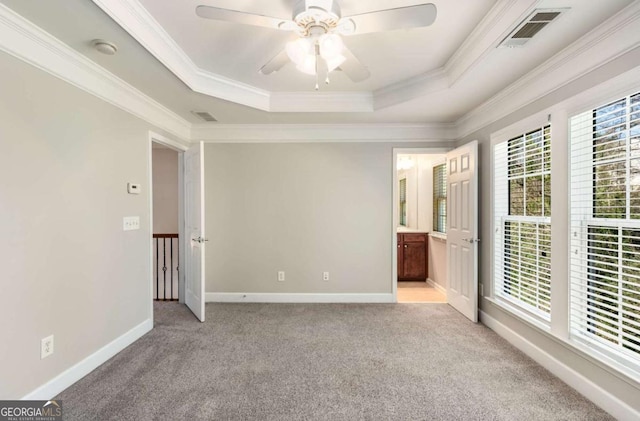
(436, 74)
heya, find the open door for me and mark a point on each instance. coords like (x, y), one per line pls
(462, 227)
(194, 224)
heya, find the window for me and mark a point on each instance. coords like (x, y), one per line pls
(403, 202)
(605, 228)
(440, 198)
(522, 212)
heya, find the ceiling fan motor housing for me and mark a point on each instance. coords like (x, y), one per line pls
(315, 16)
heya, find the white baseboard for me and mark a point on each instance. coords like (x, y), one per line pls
(59, 383)
(437, 286)
(592, 391)
(238, 297)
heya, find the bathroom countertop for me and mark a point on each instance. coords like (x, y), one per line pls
(410, 230)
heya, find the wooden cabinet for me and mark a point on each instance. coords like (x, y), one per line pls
(412, 256)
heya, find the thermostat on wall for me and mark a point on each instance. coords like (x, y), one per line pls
(133, 188)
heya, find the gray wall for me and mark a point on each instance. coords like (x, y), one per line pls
(68, 269)
(624, 388)
(302, 208)
(165, 191)
(438, 261)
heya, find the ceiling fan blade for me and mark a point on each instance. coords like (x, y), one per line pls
(275, 63)
(228, 15)
(393, 19)
(353, 68)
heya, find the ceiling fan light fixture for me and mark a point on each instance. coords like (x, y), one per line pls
(335, 62)
(308, 65)
(330, 46)
(299, 50)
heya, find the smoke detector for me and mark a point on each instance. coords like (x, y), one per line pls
(105, 47)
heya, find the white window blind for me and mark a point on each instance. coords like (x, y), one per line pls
(605, 228)
(522, 218)
(440, 198)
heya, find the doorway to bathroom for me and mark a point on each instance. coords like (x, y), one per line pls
(435, 224)
(420, 200)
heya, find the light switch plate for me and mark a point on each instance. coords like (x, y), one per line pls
(130, 223)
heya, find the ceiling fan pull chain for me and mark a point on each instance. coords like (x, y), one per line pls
(327, 81)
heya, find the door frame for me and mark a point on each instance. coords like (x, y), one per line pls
(180, 148)
(395, 219)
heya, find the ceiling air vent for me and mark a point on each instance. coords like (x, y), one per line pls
(530, 27)
(203, 115)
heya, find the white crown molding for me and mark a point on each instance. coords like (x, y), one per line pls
(26, 41)
(138, 22)
(31, 44)
(322, 102)
(484, 39)
(324, 133)
(403, 91)
(486, 36)
(610, 40)
(132, 16)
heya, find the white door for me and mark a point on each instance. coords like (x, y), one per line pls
(194, 218)
(462, 227)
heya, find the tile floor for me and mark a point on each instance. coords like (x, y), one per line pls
(419, 292)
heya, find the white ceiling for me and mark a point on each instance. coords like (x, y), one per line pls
(239, 51)
(428, 75)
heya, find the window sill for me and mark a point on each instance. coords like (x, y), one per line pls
(438, 236)
(521, 313)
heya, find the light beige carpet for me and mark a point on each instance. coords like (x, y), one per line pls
(322, 362)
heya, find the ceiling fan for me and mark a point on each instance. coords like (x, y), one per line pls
(316, 46)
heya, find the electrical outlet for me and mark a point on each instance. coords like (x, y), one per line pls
(281, 276)
(325, 276)
(46, 347)
(130, 223)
